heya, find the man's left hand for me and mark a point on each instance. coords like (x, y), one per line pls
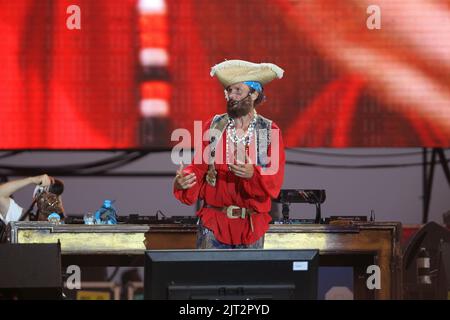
(245, 171)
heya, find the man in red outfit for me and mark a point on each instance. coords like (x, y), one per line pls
(236, 191)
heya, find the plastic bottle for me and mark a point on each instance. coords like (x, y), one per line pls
(54, 218)
(88, 218)
(107, 214)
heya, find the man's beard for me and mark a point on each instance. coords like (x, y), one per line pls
(237, 109)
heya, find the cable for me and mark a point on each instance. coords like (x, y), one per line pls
(370, 166)
(10, 154)
(347, 155)
(133, 174)
(113, 274)
(122, 162)
(78, 167)
(103, 166)
(160, 212)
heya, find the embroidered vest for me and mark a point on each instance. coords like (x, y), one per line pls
(262, 136)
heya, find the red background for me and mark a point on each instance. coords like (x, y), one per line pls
(78, 89)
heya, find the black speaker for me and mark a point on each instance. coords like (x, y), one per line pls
(30, 271)
(446, 263)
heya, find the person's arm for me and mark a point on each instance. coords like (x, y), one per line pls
(8, 188)
(188, 181)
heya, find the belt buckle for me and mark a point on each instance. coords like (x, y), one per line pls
(230, 212)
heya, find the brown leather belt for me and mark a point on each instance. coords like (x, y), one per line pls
(234, 212)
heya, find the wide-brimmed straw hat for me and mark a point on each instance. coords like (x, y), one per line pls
(234, 71)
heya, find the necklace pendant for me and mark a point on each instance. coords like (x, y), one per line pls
(211, 176)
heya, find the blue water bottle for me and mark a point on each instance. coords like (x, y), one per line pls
(107, 214)
(54, 218)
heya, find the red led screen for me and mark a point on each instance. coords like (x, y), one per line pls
(355, 75)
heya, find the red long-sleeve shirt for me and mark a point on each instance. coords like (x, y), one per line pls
(254, 193)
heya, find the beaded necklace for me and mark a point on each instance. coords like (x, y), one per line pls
(232, 136)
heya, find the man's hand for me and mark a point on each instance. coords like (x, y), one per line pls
(183, 181)
(245, 171)
(43, 180)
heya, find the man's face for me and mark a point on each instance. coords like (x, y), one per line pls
(239, 101)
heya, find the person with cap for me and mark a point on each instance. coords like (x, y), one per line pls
(11, 211)
(236, 185)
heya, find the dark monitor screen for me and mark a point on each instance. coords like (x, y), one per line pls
(231, 274)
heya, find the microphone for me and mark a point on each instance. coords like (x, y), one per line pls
(234, 102)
